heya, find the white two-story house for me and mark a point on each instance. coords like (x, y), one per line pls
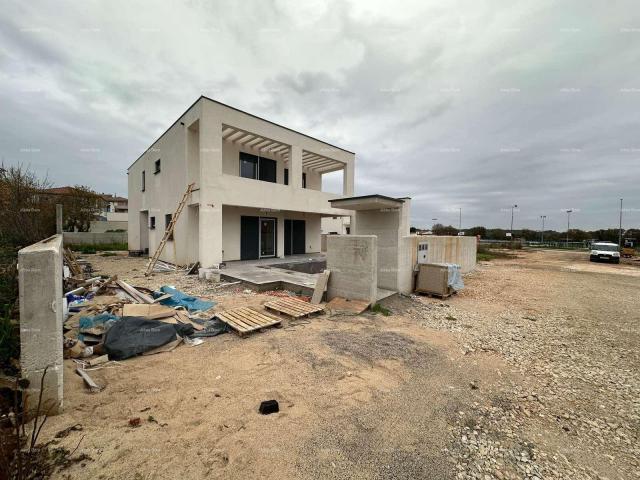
(258, 188)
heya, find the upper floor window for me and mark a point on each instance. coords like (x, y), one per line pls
(286, 178)
(252, 166)
(143, 180)
(152, 223)
(157, 166)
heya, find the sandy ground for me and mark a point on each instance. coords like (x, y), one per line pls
(531, 372)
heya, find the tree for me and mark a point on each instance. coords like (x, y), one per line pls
(80, 208)
(25, 217)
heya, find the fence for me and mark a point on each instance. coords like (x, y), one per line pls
(94, 238)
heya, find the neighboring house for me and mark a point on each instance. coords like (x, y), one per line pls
(257, 188)
(115, 208)
(336, 225)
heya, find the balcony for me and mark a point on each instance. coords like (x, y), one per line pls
(247, 192)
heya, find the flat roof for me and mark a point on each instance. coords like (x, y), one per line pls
(367, 202)
(241, 111)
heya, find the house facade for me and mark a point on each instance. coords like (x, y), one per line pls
(257, 188)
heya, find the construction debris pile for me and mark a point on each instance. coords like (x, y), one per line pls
(107, 319)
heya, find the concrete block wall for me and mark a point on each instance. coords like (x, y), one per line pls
(353, 262)
(41, 336)
(449, 249)
(94, 238)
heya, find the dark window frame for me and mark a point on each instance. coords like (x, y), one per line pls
(152, 223)
(304, 179)
(286, 176)
(157, 167)
(167, 221)
(257, 167)
(144, 181)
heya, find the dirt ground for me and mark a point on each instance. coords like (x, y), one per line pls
(532, 371)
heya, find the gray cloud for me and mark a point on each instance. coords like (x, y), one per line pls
(472, 105)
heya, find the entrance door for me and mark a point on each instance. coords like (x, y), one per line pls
(249, 238)
(267, 237)
(299, 240)
(294, 237)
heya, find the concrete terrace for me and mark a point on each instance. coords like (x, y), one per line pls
(273, 274)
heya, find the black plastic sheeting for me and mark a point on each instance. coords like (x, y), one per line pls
(211, 328)
(131, 336)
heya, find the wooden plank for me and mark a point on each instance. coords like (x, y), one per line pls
(240, 320)
(93, 386)
(266, 318)
(321, 286)
(138, 295)
(302, 305)
(230, 320)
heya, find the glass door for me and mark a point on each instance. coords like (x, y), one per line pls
(267, 237)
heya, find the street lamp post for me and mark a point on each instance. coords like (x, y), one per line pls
(568, 224)
(620, 231)
(460, 220)
(542, 231)
(511, 229)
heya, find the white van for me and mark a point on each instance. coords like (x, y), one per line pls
(605, 251)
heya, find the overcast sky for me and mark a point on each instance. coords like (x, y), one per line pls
(475, 104)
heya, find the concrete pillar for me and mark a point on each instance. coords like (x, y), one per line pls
(58, 218)
(348, 180)
(295, 167)
(41, 336)
(210, 211)
(280, 236)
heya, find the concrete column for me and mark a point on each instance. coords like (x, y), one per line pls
(348, 180)
(58, 218)
(295, 167)
(41, 337)
(280, 236)
(210, 212)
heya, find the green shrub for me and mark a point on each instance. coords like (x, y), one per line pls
(377, 308)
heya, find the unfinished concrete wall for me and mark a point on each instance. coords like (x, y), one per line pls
(449, 249)
(105, 225)
(384, 224)
(353, 262)
(94, 238)
(40, 280)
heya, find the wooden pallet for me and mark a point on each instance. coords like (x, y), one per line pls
(436, 295)
(245, 320)
(293, 307)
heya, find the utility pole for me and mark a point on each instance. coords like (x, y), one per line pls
(511, 229)
(568, 223)
(542, 231)
(460, 220)
(620, 232)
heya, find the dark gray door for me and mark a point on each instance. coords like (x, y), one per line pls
(298, 235)
(249, 238)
